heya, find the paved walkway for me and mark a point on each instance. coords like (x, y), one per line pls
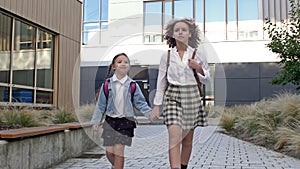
(212, 150)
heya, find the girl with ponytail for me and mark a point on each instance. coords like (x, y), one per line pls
(118, 106)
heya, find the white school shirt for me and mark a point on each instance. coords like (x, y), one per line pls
(179, 72)
(119, 98)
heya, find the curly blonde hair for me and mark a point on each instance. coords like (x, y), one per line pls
(194, 40)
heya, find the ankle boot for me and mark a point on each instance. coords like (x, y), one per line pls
(183, 166)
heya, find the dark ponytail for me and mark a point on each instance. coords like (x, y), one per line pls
(108, 71)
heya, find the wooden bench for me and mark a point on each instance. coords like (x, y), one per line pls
(76, 125)
(34, 131)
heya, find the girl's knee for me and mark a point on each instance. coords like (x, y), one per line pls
(119, 150)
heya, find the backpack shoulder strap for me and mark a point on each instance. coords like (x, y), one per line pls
(194, 53)
(132, 89)
(168, 62)
(168, 59)
(199, 84)
(106, 91)
(105, 88)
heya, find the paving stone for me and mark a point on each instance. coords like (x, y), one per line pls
(211, 150)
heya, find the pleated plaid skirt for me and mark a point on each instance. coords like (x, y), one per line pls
(182, 106)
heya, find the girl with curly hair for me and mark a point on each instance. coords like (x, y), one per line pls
(177, 90)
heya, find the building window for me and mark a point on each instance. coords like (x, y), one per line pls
(215, 25)
(183, 8)
(23, 54)
(26, 67)
(248, 21)
(152, 22)
(95, 19)
(5, 48)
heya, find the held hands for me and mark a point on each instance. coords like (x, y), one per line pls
(95, 127)
(155, 113)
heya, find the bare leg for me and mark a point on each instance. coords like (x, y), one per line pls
(174, 145)
(119, 156)
(187, 145)
(110, 154)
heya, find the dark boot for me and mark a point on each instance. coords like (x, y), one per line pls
(183, 166)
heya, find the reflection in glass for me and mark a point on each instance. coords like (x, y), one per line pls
(22, 95)
(4, 93)
(91, 26)
(85, 39)
(44, 60)
(91, 10)
(167, 11)
(249, 24)
(152, 21)
(215, 20)
(104, 25)
(5, 40)
(95, 18)
(104, 10)
(200, 14)
(23, 57)
(31, 62)
(248, 10)
(183, 9)
(89, 31)
(44, 97)
(232, 18)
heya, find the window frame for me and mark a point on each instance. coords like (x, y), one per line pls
(11, 87)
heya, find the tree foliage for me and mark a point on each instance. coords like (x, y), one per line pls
(285, 41)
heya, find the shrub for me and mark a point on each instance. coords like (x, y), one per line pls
(63, 116)
(20, 117)
(27, 119)
(85, 112)
(227, 121)
(273, 121)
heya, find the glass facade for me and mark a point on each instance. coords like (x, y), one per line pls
(219, 20)
(95, 18)
(26, 67)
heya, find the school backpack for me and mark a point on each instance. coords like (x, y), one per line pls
(106, 91)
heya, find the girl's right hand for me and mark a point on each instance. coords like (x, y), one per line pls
(95, 127)
(155, 113)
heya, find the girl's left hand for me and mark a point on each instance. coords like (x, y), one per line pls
(193, 64)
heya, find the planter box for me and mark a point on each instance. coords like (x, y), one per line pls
(43, 150)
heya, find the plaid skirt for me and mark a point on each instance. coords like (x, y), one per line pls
(118, 131)
(182, 106)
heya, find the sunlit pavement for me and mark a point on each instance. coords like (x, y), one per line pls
(211, 150)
